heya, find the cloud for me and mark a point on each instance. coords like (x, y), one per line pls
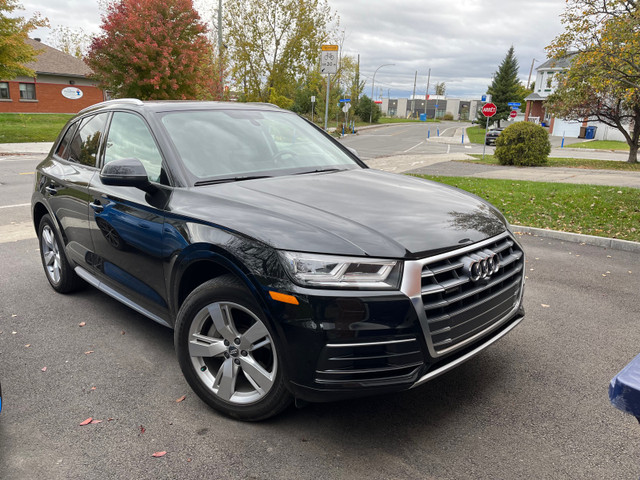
(463, 42)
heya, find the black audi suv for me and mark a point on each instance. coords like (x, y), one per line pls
(286, 267)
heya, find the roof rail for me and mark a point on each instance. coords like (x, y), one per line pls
(131, 101)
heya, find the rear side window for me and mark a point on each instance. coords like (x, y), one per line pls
(86, 142)
(63, 147)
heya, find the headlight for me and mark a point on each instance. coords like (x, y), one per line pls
(313, 270)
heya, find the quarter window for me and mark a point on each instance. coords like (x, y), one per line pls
(129, 137)
(27, 91)
(63, 149)
(85, 144)
(4, 90)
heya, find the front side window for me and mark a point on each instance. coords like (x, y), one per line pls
(85, 144)
(129, 137)
(27, 91)
(220, 144)
(4, 90)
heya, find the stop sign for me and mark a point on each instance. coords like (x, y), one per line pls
(489, 109)
(513, 114)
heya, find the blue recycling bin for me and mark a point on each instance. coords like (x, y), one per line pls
(624, 389)
(423, 117)
(590, 133)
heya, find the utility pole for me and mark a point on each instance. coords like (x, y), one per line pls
(413, 98)
(530, 72)
(426, 95)
(220, 49)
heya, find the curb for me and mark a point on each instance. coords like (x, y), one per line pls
(605, 242)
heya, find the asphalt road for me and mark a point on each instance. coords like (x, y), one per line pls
(532, 406)
(411, 139)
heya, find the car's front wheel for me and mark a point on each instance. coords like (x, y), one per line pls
(227, 351)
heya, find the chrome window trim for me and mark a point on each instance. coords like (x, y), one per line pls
(411, 286)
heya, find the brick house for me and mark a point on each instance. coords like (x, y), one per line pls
(61, 85)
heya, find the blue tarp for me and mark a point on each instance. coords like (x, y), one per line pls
(624, 389)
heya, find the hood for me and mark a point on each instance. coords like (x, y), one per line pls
(354, 212)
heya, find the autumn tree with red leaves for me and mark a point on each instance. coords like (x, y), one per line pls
(154, 49)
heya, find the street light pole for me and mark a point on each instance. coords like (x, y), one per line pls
(373, 81)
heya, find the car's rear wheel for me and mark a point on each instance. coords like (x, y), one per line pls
(56, 266)
(227, 351)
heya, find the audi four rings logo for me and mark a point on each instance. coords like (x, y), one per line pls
(481, 265)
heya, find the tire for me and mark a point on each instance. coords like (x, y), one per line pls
(228, 353)
(56, 266)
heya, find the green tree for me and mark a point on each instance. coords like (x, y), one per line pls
(274, 45)
(14, 52)
(505, 86)
(603, 80)
(364, 110)
(441, 88)
(154, 49)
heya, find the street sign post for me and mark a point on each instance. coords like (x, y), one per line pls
(328, 66)
(488, 110)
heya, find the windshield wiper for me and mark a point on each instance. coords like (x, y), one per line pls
(229, 179)
(321, 170)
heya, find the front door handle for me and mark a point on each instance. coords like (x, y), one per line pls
(51, 190)
(97, 206)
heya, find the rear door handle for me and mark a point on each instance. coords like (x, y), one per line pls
(97, 206)
(51, 189)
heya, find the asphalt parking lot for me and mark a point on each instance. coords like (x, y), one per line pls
(534, 405)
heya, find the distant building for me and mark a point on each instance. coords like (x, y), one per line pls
(436, 107)
(61, 85)
(536, 111)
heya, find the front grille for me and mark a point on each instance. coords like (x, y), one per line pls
(369, 364)
(457, 308)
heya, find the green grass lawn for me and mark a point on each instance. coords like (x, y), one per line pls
(476, 134)
(568, 163)
(28, 127)
(588, 209)
(601, 145)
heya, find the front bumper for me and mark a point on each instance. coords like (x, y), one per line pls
(345, 344)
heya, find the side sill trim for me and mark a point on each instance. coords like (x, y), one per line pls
(465, 357)
(87, 277)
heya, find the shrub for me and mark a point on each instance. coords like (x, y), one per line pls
(448, 116)
(364, 107)
(523, 144)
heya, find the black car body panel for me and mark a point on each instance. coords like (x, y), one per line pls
(151, 247)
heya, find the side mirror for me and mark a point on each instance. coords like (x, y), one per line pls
(126, 172)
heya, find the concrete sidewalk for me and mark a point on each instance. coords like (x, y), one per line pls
(33, 148)
(445, 165)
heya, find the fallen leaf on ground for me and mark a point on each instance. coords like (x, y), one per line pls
(86, 422)
(544, 305)
(88, 352)
(93, 388)
(122, 332)
(142, 430)
(14, 316)
(82, 324)
(159, 454)
(28, 345)
(44, 369)
(181, 398)
(95, 421)
(13, 333)
(109, 419)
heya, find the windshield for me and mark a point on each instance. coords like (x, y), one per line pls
(215, 145)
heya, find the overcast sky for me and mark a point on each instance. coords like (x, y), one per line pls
(462, 41)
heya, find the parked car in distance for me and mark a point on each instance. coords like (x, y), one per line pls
(286, 267)
(492, 136)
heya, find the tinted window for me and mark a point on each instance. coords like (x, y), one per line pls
(129, 137)
(63, 148)
(223, 143)
(85, 144)
(4, 90)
